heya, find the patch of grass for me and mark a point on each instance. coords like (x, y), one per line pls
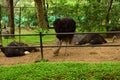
(61, 71)
(31, 39)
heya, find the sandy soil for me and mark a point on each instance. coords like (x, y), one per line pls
(76, 54)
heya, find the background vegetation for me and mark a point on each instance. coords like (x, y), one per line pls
(90, 15)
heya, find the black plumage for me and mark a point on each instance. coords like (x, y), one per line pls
(64, 25)
(88, 38)
(9, 51)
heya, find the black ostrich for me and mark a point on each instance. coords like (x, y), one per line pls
(16, 51)
(64, 25)
(89, 38)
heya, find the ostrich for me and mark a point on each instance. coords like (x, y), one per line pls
(89, 38)
(16, 51)
(64, 25)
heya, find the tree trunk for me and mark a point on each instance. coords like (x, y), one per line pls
(40, 14)
(11, 16)
(107, 19)
(0, 28)
(10, 12)
(108, 14)
(45, 7)
(98, 1)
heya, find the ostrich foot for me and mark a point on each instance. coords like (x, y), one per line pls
(56, 53)
(66, 54)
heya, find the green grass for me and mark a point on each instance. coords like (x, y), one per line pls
(57, 71)
(31, 39)
(61, 71)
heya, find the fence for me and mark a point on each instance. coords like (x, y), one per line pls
(53, 46)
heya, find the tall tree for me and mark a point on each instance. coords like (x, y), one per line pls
(10, 13)
(11, 16)
(98, 0)
(0, 28)
(40, 14)
(108, 14)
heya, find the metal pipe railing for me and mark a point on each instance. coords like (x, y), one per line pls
(43, 34)
(41, 46)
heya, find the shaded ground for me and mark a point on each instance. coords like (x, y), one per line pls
(76, 54)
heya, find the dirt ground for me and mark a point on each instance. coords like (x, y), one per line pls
(76, 54)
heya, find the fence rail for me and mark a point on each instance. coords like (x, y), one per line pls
(42, 34)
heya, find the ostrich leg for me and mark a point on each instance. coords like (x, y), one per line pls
(59, 47)
(68, 42)
(66, 54)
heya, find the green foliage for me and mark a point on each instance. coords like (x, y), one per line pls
(28, 16)
(38, 30)
(115, 16)
(51, 19)
(90, 15)
(61, 71)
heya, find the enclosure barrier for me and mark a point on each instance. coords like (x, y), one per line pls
(41, 41)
